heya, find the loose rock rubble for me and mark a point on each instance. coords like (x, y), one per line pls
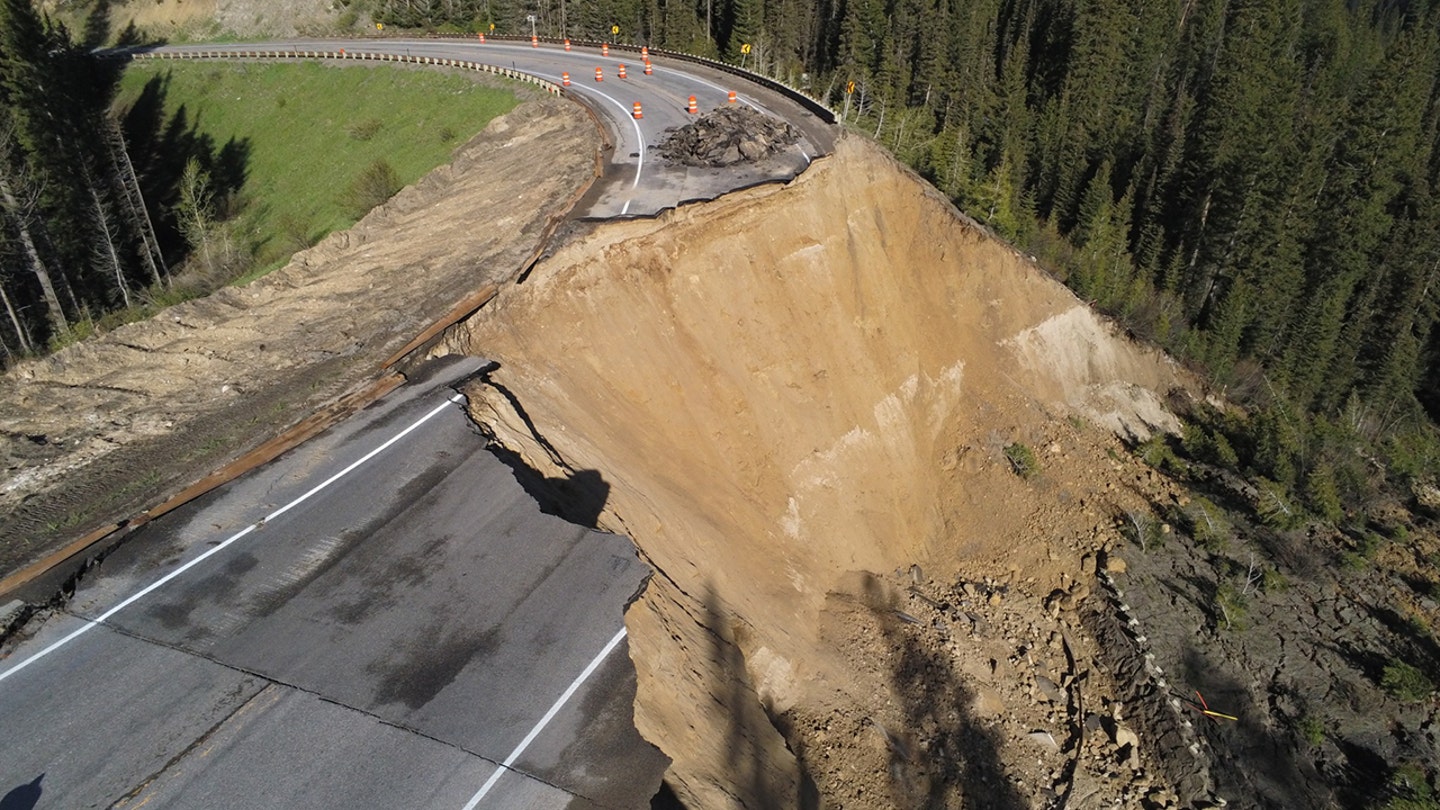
(726, 136)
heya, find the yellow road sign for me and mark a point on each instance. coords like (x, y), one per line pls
(379, 26)
(492, 28)
(849, 87)
(745, 48)
(614, 29)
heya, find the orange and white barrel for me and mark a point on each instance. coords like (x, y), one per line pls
(694, 108)
(565, 79)
(534, 42)
(599, 75)
(731, 97)
(622, 71)
(637, 112)
(644, 52)
(604, 49)
(567, 44)
(482, 39)
(649, 71)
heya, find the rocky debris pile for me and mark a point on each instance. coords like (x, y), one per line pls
(726, 136)
(997, 697)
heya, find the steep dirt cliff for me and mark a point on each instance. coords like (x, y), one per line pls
(798, 402)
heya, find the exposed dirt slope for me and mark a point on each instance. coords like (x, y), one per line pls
(794, 395)
(97, 431)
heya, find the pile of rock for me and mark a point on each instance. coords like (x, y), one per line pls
(726, 136)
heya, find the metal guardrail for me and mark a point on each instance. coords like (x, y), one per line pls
(809, 102)
(341, 53)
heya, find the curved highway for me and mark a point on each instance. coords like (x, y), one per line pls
(637, 181)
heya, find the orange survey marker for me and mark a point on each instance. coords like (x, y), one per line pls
(1201, 706)
(565, 79)
(599, 75)
(694, 108)
(732, 97)
(622, 71)
(637, 113)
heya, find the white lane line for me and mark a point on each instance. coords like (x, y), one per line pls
(624, 113)
(92, 623)
(626, 209)
(550, 715)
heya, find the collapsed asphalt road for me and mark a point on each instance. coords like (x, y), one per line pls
(414, 632)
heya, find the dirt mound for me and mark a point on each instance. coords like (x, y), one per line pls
(726, 136)
(96, 432)
(806, 433)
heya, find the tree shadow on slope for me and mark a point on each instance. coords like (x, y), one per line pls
(161, 145)
(943, 755)
(751, 752)
(1257, 763)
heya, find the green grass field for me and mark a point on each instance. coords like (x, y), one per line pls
(313, 129)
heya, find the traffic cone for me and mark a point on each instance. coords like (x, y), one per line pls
(567, 44)
(622, 71)
(565, 79)
(599, 75)
(604, 49)
(638, 114)
(694, 108)
(732, 97)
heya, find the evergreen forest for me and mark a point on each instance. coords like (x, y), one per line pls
(1250, 183)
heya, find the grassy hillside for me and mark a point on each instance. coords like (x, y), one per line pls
(311, 131)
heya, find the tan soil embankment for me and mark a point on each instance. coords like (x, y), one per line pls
(793, 393)
(96, 432)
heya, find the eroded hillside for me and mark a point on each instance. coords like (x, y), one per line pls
(797, 401)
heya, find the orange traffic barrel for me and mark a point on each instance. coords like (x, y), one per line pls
(565, 79)
(694, 108)
(604, 49)
(732, 96)
(622, 71)
(637, 113)
(648, 70)
(534, 42)
(482, 39)
(644, 52)
(599, 75)
(567, 44)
